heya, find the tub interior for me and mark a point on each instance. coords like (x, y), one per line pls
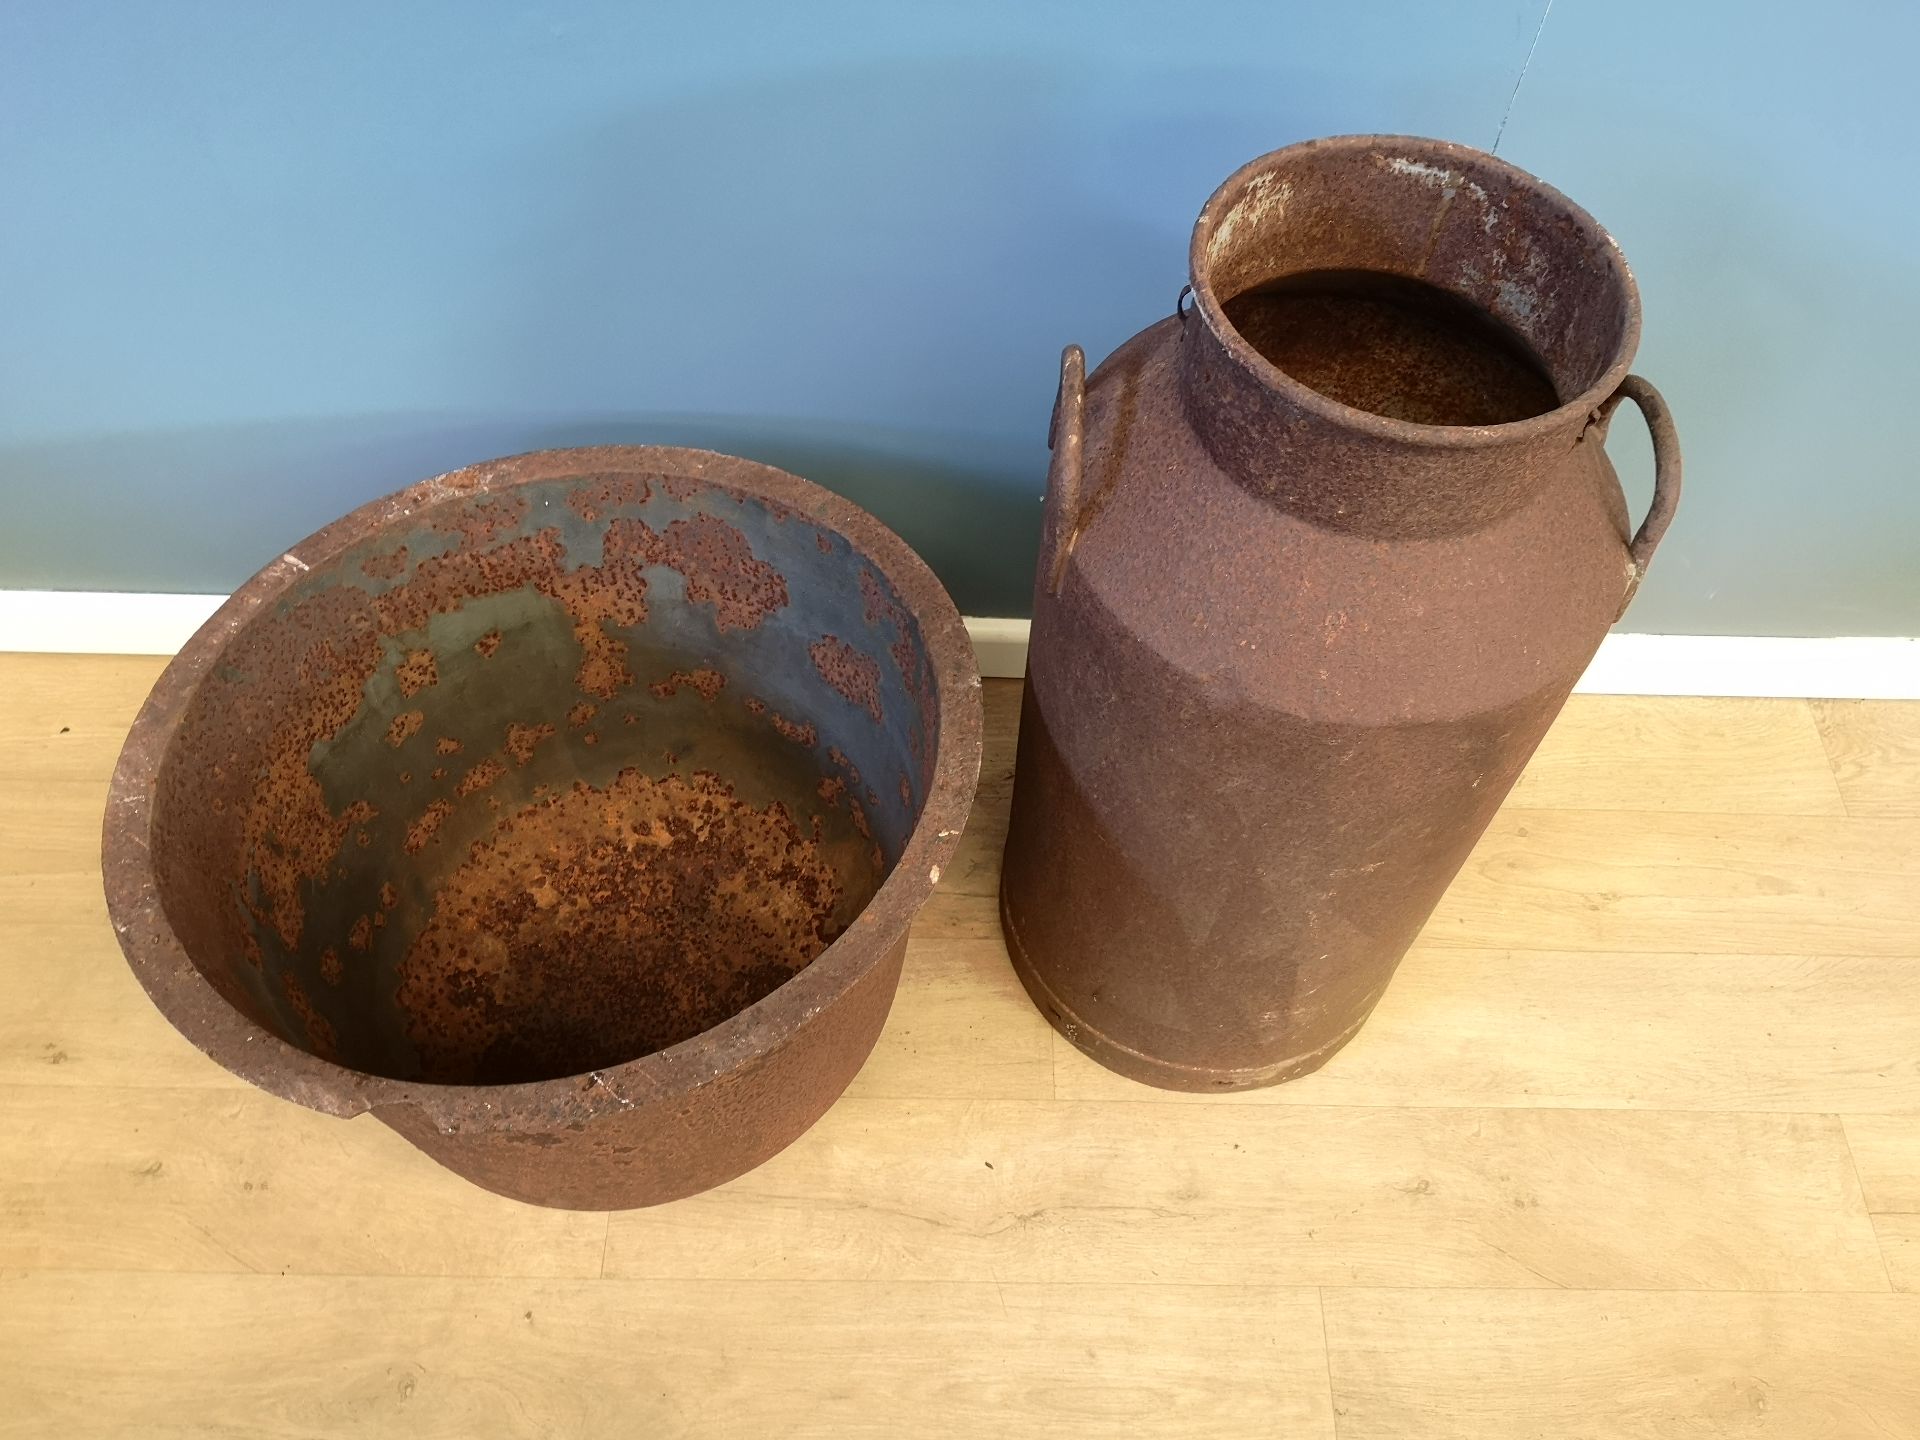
(536, 782)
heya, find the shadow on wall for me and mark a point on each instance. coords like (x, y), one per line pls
(886, 260)
(257, 270)
(198, 510)
(1765, 325)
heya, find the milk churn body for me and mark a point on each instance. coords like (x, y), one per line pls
(1288, 656)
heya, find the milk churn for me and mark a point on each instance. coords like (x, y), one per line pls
(1324, 554)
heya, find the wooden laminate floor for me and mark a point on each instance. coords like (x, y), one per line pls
(1632, 1148)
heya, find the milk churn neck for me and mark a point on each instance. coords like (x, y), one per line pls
(1427, 213)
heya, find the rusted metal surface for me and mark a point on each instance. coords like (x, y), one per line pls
(515, 809)
(1288, 654)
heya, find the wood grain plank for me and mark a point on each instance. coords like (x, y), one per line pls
(1661, 883)
(1634, 752)
(63, 717)
(1565, 1028)
(197, 1180)
(1874, 746)
(1522, 1365)
(1672, 920)
(1138, 1193)
(74, 1014)
(1000, 705)
(975, 868)
(170, 1357)
(957, 915)
(960, 1026)
(50, 827)
(1900, 1243)
(1887, 1150)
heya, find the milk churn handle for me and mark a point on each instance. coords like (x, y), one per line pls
(1666, 473)
(1064, 435)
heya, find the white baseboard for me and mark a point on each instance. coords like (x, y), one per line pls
(100, 622)
(94, 622)
(1000, 645)
(1858, 667)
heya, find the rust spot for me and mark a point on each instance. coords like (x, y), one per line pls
(405, 726)
(704, 683)
(855, 675)
(592, 737)
(424, 829)
(379, 919)
(838, 757)
(613, 592)
(439, 773)
(330, 965)
(855, 809)
(480, 777)
(879, 607)
(481, 521)
(389, 897)
(873, 800)
(716, 562)
(320, 1036)
(416, 672)
(593, 496)
(792, 730)
(487, 645)
(406, 777)
(875, 604)
(820, 539)
(906, 793)
(581, 714)
(357, 813)
(603, 924)
(756, 706)
(443, 583)
(384, 567)
(446, 745)
(831, 789)
(360, 937)
(521, 740)
(680, 487)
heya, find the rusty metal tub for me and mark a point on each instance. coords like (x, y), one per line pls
(566, 813)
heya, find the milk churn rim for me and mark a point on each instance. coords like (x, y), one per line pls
(1451, 155)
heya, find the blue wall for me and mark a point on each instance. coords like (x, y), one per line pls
(261, 262)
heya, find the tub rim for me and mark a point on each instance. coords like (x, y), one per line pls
(199, 1012)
